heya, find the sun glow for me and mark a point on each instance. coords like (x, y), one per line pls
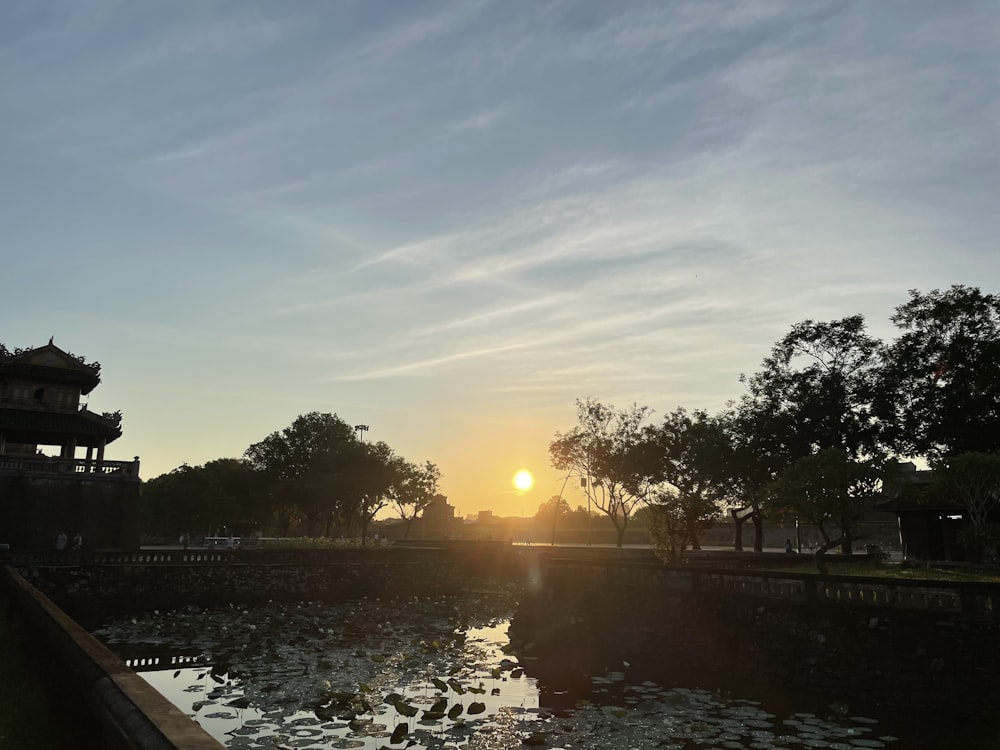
(523, 480)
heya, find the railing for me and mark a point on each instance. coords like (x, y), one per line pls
(205, 557)
(110, 470)
(152, 662)
(637, 576)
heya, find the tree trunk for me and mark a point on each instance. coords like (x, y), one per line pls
(738, 547)
(821, 564)
(758, 532)
(620, 531)
(692, 534)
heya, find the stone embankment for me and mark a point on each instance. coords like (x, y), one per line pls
(121, 708)
(841, 641)
(95, 587)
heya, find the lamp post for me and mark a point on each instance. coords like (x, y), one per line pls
(558, 507)
(583, 484)
(361, 429)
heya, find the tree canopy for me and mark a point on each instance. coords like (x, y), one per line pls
(939, 389)
(831, 490)
(418, 484)
(812, 432)
(604, 449)
(817, 384)
(691, 452)
(972, 482)
(312, 442)
(315, 474)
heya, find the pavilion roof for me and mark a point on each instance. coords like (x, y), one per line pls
(38, 427)
(51, 364)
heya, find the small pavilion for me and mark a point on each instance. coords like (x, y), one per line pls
(40, 392)
(53, 472)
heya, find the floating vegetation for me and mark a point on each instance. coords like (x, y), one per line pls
(430, 673)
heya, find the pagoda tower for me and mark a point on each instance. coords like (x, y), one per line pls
(53, 473)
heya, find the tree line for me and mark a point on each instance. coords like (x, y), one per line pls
(315, 477)
(817, 433)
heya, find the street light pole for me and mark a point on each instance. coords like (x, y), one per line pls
(361, 429)
(555, 511)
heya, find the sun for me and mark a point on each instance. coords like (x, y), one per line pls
(523, 480)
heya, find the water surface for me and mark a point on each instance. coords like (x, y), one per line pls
(429, 673)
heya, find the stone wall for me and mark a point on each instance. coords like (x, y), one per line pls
(771, 634)
(838, 641)
(92, 591)
(33, 509)
(124, 710)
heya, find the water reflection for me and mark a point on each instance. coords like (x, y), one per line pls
(487, 697)
(432, 674)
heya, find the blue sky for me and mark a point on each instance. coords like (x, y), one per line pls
(450, 220)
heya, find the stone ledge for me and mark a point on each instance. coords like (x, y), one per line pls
(132, 714)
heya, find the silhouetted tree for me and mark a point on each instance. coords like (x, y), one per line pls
(554, 506)
(812, 392)
(300, 447)
(312, 464)
(603, 449)
(939, 390)
(827, 489)
(378, 473)
(669, 526)
(417, 486)
(757, 458)
(690, 451)
(550, 513)
(199, 499)
(972, 481)
(817, 383)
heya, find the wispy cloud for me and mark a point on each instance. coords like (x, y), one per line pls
(404, 208)
(478, 121)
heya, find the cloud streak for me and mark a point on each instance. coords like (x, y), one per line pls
(483, 214)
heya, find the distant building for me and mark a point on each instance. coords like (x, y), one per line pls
(53, 473)
(438, 520)
(930, 526)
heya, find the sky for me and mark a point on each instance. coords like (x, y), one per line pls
(450, 220)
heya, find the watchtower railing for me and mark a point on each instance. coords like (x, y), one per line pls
(45, 466)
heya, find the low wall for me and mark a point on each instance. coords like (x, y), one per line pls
(92, 588)
(906, 646)
(131, 714)
(639, 576)
(34, 508)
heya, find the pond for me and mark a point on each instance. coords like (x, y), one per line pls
(429, 673)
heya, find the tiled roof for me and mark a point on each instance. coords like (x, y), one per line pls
(51, 364)
(48, 427)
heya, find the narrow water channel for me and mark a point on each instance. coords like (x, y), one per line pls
(426, 674)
